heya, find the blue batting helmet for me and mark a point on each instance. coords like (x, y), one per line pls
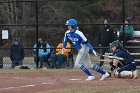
(71, 22)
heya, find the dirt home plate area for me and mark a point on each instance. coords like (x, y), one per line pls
(41, 82)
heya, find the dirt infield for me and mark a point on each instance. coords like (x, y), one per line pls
(49, 80)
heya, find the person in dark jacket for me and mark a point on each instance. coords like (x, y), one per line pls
(105, 36)
(16, 53)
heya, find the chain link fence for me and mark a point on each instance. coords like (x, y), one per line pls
(29, 20)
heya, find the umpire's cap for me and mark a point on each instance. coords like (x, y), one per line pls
(116, 43)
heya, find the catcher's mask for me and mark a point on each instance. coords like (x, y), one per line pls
(116, 43)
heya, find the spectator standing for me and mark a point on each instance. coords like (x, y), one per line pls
(105, 36)
(16, 53)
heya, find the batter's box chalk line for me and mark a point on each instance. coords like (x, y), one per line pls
(74, 79)
(24, 86)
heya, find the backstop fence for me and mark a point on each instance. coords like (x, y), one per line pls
(29, 20)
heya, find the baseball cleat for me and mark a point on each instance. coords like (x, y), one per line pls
(135, 74)
(104, 76)
(90, 78)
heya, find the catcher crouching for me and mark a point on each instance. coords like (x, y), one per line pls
(125, 68)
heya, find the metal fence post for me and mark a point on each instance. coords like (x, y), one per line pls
(123, 14)
(36, 5)
(1, 61)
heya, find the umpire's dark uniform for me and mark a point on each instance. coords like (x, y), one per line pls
(105, 36)
(128, 64)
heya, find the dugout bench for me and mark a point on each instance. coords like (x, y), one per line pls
(133, 46)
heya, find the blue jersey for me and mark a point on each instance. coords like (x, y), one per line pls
(77, 39)
(128, 59)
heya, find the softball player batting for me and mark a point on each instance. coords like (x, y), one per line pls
(79, 41)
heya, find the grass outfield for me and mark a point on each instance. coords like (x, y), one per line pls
(97, 90)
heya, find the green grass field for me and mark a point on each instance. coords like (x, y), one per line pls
(98, 90)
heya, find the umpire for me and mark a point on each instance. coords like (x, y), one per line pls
(105, 36)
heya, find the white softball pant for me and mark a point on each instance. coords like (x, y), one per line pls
(83, 57)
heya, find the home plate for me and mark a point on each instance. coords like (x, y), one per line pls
(75, 79)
